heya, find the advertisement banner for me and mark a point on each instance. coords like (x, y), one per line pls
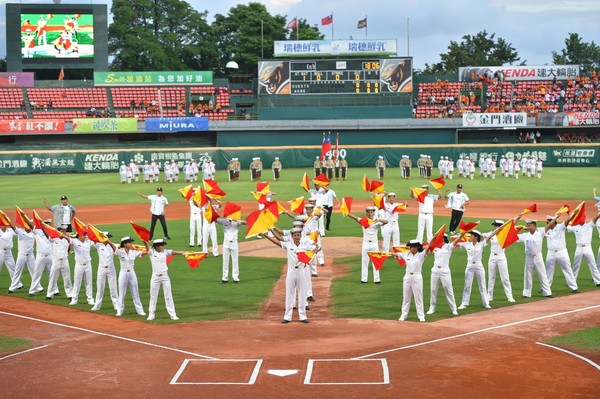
(584, 118)
(511, 72)
(163, 78)
(17, 79)
(177, 124)
(471, 119)
(32, 126)
(104, 125)
(328, 48)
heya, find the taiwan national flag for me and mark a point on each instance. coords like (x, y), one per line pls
(326, 146)
(293, 24)
(328, 20)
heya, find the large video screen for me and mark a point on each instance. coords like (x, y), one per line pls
(48, 35)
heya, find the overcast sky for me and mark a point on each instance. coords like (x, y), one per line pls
(533, 27)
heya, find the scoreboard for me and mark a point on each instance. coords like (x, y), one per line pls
(336, 76)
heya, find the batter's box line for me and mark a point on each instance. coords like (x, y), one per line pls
(384, 368)
(251, 380)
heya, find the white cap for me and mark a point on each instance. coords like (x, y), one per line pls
(277, 158)
(391, 194)
(316, 157)
(296, 230)
(529, 221)
(309, 206)
(371, 208)
(550, 217)
(498, 222)
(312, 199)
(477, 232)
(380, 157)
(297, 223)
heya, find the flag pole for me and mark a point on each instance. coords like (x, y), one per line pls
(262, 40)
(297, 25)
(366, 27)
(407, 37)
(332, 23)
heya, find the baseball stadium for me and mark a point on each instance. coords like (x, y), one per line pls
(334, 185)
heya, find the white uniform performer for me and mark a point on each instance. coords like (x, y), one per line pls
(60, 264)
(160, 277)
(43, 260)
(146, 169)
(127, 276)
(295, 278)
(6, 245)
(538, 168)
(83, 269)
(123, 172)
(195, 224)
(412, 283)
(497, 263)
(474, 269)
(557, 253)
(391, 230)
(370, 243)
(440, 273)
(209, 231)
(25, 256)
(106, 271)
(311, 225)
(231, 227)
(583, 239)
(533, 239)
(425, 220)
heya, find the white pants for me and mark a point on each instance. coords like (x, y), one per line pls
(367, 246)
(390, 232)
(60, 266)
(294, 284)
(561, 257)
(9, 261)
(107, 273)
(156, 282)
(478, 272)
(412, 286)
(321, 254)
(82, 273)
(500, 265)
(308, 280)
(22, 260)
(128, 278)
(425, 222)
(585, 252)
(535, 262)
(42, 262)
(230, 249)
(196, 229)
(444, 276)
(209, 231)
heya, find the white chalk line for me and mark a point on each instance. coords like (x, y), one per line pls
(22, 352)
(477, 332)
(585, 359)
(108, 335)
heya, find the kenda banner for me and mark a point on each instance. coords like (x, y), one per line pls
(176, 124)
(588, 118)
(513, 119)
(32, 126)
(105, 125)
(545, 72)
(17, 79)
(164, 78)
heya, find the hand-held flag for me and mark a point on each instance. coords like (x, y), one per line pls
(399, 208)
(210, 214)
(263, 187)
(258, 222)
(563, 209)
(365, 222)
(21, 219)
(346, 206)
(187, 192)
(438, 239)
(297, 205)
(142, 232)
(306, 257)
(95, 235)
(379, 201)
(50, 231)
(531, 208)
(419, 194)
(213, 190)
(438, 183)
(579, 213)
(194, 258)
(507, 235)
(378, 258)
(376, 187)
(80, 227)
(37, 220)
(321, 180)
(366, 184)
(4, 220)
(466, 227)
(232, 211)
(305, 183)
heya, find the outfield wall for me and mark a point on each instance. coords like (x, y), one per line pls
(107, 160)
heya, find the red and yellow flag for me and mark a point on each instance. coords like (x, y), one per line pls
(321, 180)
(4, 220)
(200, 197)
(95, 235)
(187, 192)
(306, 257)
(365, 222)
(401, 249)
(579, 215)
(419, 194)
(213, 190)
(271, 210)
(438, 183)
(37, 220)
(466, 227)
(305, 183)
(346, 206)
(141, 248)
(80, 227)
(297, 205)
(563, 209)
(258, 222)
(210, 214)
(194, 258)
(314, 236)
(529, 209)
(399, 208)
(232, 211)
(366, 184)
(261, 198)
(50, 231)
(507, 235)
(378, 258)
(379, 201)
(438, 239)
(263, 187)
(21, 219)
(142, 232)
(376, 187)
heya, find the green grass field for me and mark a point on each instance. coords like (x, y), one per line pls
(198, 293)
(7, 343)
(587, 340)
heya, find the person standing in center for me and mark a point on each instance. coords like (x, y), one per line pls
(231, 227)
(457, 200)
(60, 264)
(440, 273)
(533, 238)
(412, 283)
(370, 243)
(390, 231)
(195, 223)
(160, 277)
(63, 213)
(158, 206)
(497, 262)
(425, 220)
(328, 198)
(475, 268)
(127, 276)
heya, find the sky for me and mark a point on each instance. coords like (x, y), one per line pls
(424, 28)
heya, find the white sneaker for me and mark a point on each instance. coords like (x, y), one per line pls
(72, 303)
(119, 314)
(421, 320)
(461, 307)
(402, 319)
(431, 311)
(511, 300)
(487, 306)
(150, 316)
(174, 318)
(455, 313)
(91, 303)
(142, 313)
(95, 308)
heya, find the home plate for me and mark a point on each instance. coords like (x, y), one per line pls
(282, 373)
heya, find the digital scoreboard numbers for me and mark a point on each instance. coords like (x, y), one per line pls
(335, 76)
